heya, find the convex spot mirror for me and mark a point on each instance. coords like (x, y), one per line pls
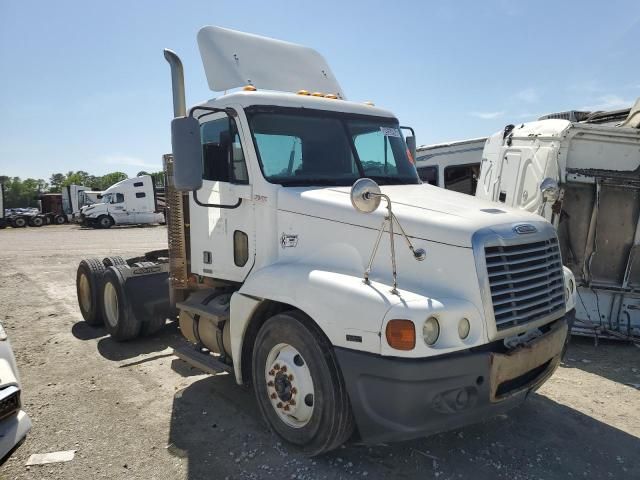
(187, 154)
(365, 195)
(549, 189)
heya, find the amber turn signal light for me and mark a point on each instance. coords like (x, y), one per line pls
(401, 334)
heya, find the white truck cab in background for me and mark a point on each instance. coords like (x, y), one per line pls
(580, 171)
(307, 258)
(451, 165)
(130, 202)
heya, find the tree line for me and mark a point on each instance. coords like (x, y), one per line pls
(20, 193)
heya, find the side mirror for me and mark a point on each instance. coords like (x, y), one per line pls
(361, 197)
(187, 154)
(549, 189)
(411, 145)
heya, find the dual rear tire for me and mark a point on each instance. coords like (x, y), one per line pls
(103, 300)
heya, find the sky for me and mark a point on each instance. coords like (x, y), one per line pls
(84, 84)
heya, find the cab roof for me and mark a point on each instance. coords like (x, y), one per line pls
(283, 99)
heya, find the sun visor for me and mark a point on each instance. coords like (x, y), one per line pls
(234, 59)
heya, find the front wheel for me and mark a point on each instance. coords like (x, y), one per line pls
(105, 221)
(298, 384)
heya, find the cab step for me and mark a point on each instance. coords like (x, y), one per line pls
(202, 361)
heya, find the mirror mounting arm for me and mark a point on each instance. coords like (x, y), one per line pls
(418, 254)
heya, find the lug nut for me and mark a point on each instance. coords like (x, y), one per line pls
(284, 368)
(286, 408)
(279, 405)
(292, 402)
(277, 366)
(270, 383)
(291, 377)
(294, 390)
(273, 395)
(272, 373)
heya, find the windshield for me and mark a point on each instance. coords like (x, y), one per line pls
(324, 148)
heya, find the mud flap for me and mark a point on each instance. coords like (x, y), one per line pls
(148, 289)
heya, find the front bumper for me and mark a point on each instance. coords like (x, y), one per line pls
(13, 430)
(400, 399)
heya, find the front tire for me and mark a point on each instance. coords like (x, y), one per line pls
(105, 221)
(119, 318)
(59, 220)
(298, 384)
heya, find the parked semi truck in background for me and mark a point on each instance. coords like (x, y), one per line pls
(280, 194)
(580, 171)
(452, 165)
(134, 201)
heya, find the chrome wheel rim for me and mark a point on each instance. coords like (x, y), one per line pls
(111, 304)
(289, 385)
(85, 292)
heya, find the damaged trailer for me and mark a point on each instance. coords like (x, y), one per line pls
(581, 171)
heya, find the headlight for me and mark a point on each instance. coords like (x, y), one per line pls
(463, 328)
(431, 330)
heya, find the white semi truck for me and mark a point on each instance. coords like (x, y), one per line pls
(307, 258)
(580, 171)
(133, 201)
(451, 165)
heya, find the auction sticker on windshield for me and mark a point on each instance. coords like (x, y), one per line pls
(390, 132)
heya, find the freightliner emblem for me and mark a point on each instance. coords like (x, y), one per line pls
(524, 229)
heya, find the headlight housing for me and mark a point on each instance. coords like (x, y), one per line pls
(464, 327)
(431, 330)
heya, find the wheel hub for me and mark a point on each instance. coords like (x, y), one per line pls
(289, 385)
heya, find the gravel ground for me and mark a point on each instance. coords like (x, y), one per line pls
(134, 411)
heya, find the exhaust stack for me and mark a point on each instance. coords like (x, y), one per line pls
(177, 83)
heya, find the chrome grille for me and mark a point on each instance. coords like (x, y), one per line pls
(526, 281)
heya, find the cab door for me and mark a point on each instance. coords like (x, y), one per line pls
(118, 209)
(222, 211)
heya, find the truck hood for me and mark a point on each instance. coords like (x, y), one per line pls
(425, 212)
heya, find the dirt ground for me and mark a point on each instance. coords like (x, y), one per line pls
(134, 411)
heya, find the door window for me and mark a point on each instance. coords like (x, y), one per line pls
(429, 174)
(117, 198)
(222, 152)
(462, 178)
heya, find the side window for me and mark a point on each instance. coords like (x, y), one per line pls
(140, 194)
(137, 184)
(281, 155)
(462, 178)
(118, 198)
(429, 174)
(222, 153)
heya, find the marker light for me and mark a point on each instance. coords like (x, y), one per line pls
(401, 334)
(303, 92)
(463, 328)
(431, 330)
(371, 104)
(317, 94)
(331, 96)
(249, 88)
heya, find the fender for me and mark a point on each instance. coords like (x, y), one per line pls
(349, 312)
(340, 304)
